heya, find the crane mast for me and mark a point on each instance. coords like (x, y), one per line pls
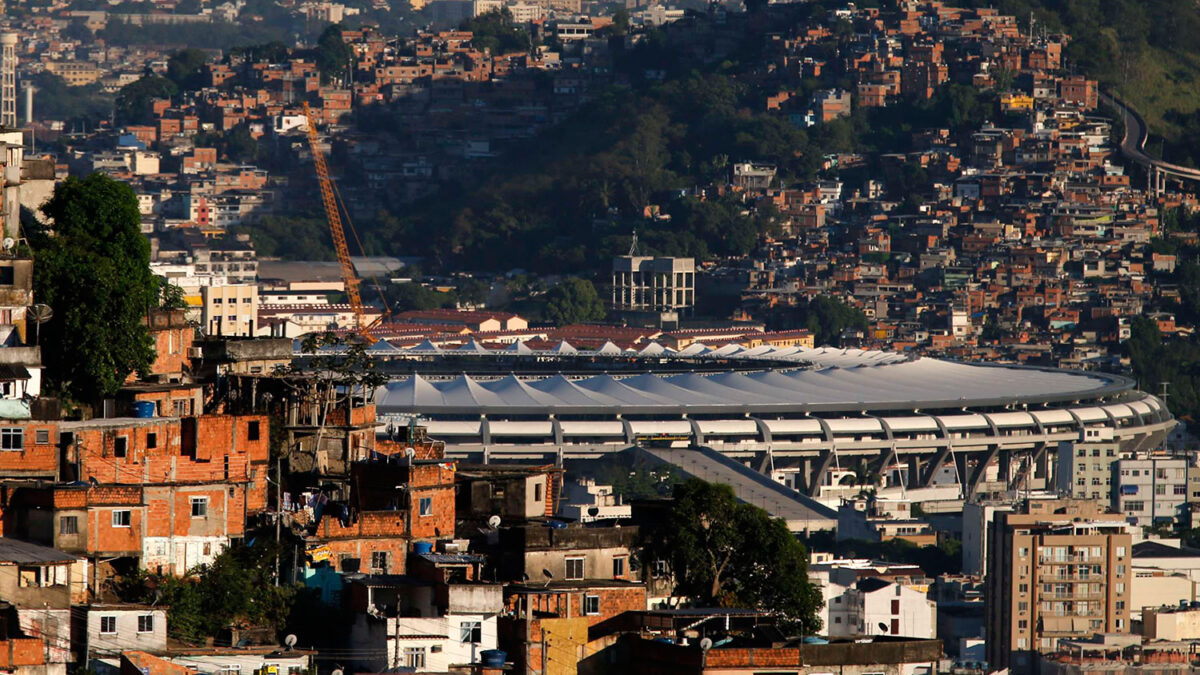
(336, 231)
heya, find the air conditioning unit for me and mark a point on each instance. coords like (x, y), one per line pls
(195, 352)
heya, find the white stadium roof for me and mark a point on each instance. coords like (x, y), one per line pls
(823, 379)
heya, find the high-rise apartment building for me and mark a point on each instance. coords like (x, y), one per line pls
(1085, 466)
(1151, 489)
(1056, 569)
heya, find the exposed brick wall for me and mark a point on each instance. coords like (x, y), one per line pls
(440, 521)
(614, 601)
(104, 537)
(33, 458)
(18, 652)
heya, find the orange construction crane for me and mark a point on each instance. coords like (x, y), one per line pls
(336, 231)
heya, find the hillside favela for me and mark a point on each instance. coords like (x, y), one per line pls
(589, 337)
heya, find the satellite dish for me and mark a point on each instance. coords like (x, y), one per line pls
(494, 522)
(290, 640)
(883, 626)
(9, 243)
(337, 671)
(410, 452)
(547, 573)
(705, 644)
(40, 313)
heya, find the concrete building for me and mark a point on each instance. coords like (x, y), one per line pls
(872, 519)
(230, 311)
(400, 622)
(1179, 622)
(114, 628)
(1150, 489)
(1056, 569)
(645, 283)
(1158, 588)
(1085, 465)
(585, 501)
(977, 520)
(876, 606)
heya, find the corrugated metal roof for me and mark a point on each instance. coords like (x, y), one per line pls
(15, 551)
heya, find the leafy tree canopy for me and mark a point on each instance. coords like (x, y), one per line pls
(827, 317)
(574, 301)
(133, 101)
(94, 270)
(495, 31)
(729, 554)
(236, 589)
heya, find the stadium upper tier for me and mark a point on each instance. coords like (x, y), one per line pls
(763, 380)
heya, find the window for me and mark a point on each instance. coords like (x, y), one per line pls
(68, 525)
(537, 492)
(574, 568)
(470, 631)
(427, 506)
(42, 437)
(252, 431)
(1120, 605)
(146, 623)
(379, 561)
(12, 438)
(199, 507)
(108, 625)
(619, 567)
(591, 604)
(414, 657)
(152, 440)
(120, 446)
(121, 518)
(660, 568)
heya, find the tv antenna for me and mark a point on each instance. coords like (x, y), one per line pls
(633, 245)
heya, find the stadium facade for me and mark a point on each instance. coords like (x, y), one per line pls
(793, 411)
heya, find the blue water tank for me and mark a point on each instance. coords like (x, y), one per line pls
(144, 408)
(493, 658)
(422, 547)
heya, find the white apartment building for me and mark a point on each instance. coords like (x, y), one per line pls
(877, 606)
(1150, 489)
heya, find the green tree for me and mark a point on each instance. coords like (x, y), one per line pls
(333, 54)
(495, 31)
(827, 317)
(94, 270)
(237, 588)
(727, 553)
(185, 69)
(133, 100)
(574, 301)
(410, 295)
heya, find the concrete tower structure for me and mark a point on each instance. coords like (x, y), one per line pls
(8, 80)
